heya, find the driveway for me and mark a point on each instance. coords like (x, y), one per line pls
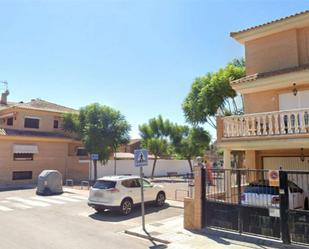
(65, 221)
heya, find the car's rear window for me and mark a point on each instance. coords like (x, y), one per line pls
(262, 190)
(103, 184)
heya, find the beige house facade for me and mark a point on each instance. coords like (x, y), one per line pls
(273, 132)
(31, 140)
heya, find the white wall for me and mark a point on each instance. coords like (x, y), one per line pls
(127, 167)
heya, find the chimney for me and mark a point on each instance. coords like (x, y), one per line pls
(4, 96)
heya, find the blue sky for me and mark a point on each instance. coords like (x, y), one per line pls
(139, 57)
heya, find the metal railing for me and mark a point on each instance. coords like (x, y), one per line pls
(69, 182)
(84, 184)
(240, 186)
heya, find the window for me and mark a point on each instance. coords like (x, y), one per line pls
(23, 156)
(9, 121)
(81, 151)
(32, 123)
(102, 184)
(147, 184)
(306, 116)
(56, 124)
(22, 175)
(132, 183)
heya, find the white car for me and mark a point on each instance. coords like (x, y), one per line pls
(261, 194)
(122, 193)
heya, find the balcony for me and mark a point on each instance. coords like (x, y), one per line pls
(266, 124)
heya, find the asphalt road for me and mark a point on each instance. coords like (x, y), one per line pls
(67, 222)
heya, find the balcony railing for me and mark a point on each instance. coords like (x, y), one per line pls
(267, 124)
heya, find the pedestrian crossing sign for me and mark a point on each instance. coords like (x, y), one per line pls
(140, 158)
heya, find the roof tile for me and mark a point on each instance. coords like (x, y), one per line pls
(256, 76)
(39, 104)
(271, 22)
(14, 132)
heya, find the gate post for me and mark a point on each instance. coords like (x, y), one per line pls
(203, 195)
(199, 194)
(284, 207)
(194, 207)
(240, 215)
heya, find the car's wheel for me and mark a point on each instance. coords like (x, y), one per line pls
(99, 209)
(126, 206)
(160, 200)
(306, 204)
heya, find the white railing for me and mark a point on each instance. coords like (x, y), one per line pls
(267, 124)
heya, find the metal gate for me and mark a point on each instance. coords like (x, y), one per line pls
(243, 200)
(298, 204)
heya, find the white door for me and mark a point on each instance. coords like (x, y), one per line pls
(288, 101)
(132, 188)
(149, 191)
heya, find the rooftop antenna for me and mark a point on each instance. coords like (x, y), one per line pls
(5, 93)
(5, 85)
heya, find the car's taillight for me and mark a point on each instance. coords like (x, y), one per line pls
(113, 190)
(243, 197)
(275, 200)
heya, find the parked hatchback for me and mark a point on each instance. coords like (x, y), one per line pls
(261, 194)
(122, 193)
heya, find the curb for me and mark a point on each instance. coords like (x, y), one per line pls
(248, 238)
(146, 237)
(173, 205)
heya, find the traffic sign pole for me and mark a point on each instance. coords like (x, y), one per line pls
(94, 158)
(142, 199)
(141, 160)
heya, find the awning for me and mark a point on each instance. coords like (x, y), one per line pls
(123, 155)
(25, 148)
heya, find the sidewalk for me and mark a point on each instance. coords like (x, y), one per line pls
(171, 230)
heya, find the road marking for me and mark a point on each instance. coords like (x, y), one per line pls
(5, 209)
(63, 198)
(5, 201)
(19, 205)
(46, 199)
(76, 196)
(16, 205)
(29, 202)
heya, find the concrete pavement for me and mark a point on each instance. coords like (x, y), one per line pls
(61, 222)
(172, 230)
(66, 221)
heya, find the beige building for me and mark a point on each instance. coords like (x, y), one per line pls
(274, 130)
(272, 133)
(31, 140)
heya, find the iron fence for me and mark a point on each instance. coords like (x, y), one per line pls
(298, 189)
(251, 201)
(241, 186)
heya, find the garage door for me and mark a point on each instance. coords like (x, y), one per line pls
(290, 163)
(286, 163)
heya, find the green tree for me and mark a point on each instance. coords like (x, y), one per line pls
(212, 92)
(155, 137)
(189, 142)
(101, 128)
